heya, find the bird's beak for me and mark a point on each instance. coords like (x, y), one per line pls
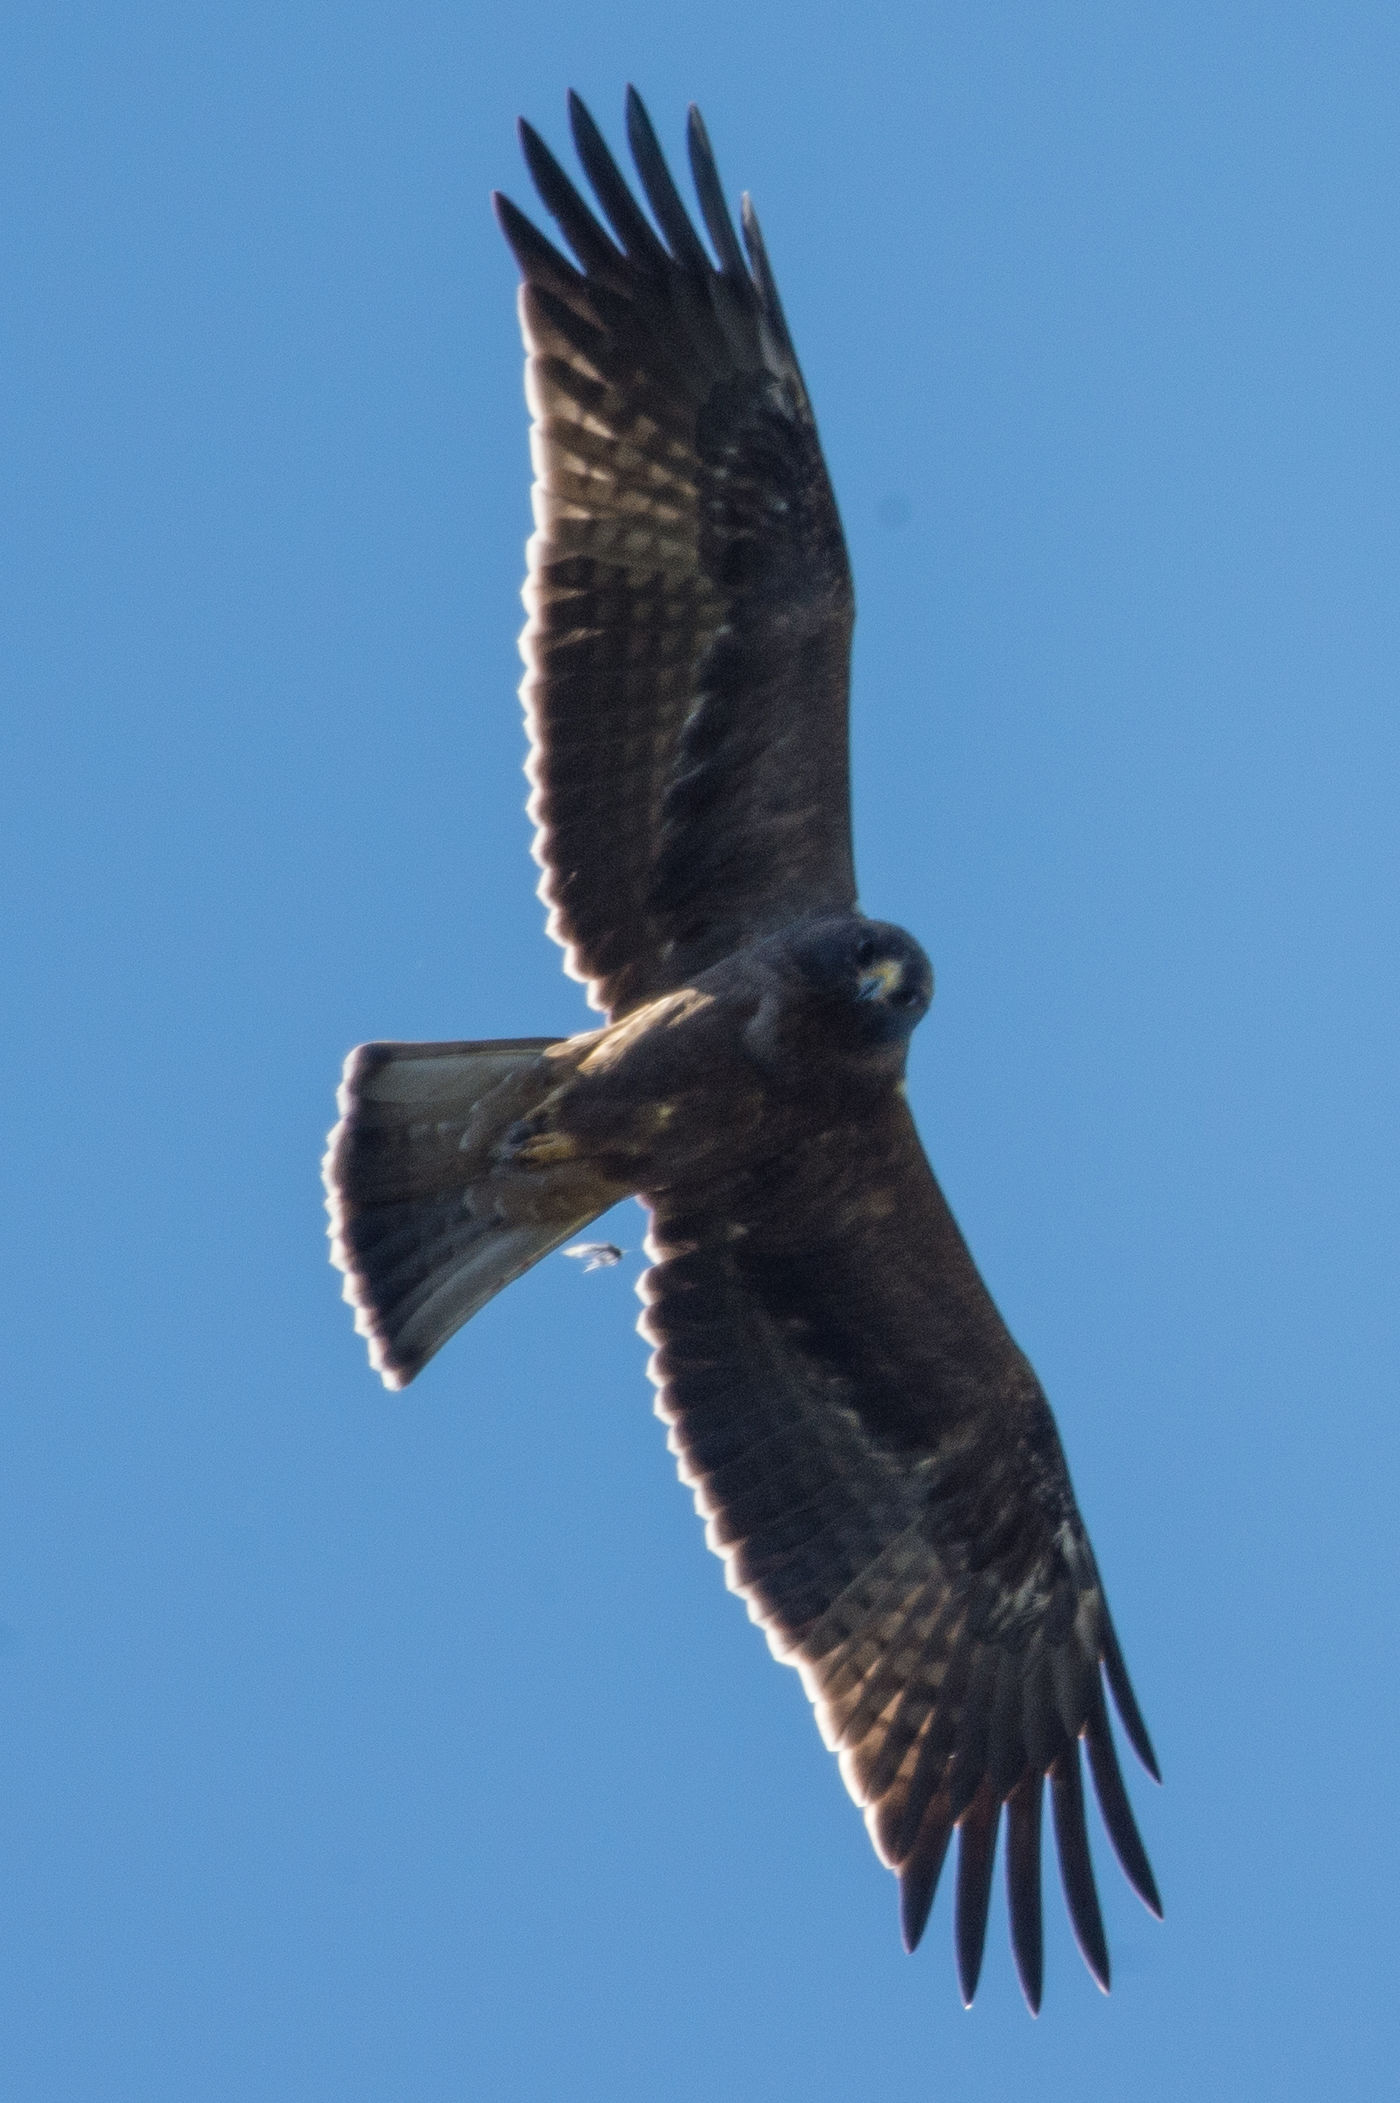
(880, 980)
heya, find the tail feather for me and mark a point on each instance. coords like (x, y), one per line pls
(427, 1221)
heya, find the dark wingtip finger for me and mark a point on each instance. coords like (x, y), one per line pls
(1117, 1810)
(662, 194)
(626, 217)
(1076, 1864)
(918, 1880)
(977, 1846)
(710, 191)
(1023, 1809)
(1125, 1701)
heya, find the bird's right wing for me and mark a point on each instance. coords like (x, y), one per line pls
(882, 1475)
(689, 596)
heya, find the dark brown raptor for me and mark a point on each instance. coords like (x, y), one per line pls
(873, 1456)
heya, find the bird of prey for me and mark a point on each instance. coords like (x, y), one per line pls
(873, 1456)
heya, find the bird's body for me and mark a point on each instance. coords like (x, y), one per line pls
(873, 1455)
(757, 1060)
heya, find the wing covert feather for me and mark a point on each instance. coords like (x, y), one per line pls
(689, 597)
(881, 1473)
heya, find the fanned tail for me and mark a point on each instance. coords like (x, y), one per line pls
(429, 1216)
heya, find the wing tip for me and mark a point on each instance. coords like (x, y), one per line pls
(977, 1846)
(1125, 1701)
(1076, 1864)
(1023, 1894)
(919, 1875)
(1116, 1809)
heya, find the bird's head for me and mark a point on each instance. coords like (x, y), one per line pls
(873, 979)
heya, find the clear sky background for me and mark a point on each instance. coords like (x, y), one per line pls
(358, 1748)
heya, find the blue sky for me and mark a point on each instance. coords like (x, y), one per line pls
(358, 1747)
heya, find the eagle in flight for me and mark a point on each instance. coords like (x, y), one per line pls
(873, 1456)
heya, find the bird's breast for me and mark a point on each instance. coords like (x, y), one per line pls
(673, 1095)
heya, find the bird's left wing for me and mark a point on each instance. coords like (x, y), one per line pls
(690, 602)
(882, 1475)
